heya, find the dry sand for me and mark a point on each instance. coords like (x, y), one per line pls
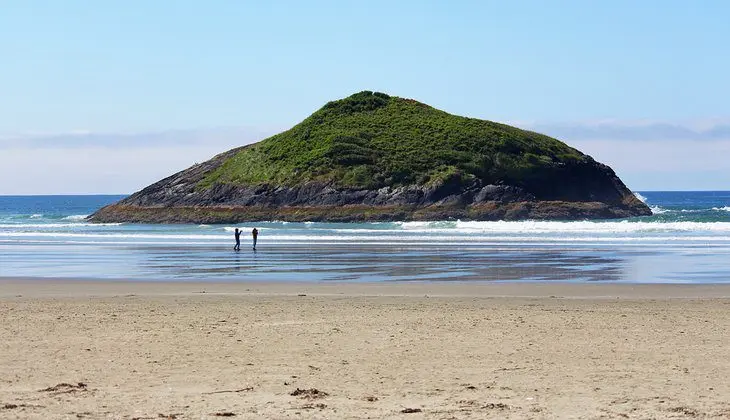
(72, 349)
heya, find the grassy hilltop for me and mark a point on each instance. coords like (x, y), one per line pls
(371, 140)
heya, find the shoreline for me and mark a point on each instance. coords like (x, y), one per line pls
(38, 287)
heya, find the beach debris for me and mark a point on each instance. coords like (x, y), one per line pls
(472, 387)
(224, 414)
(371, 398)
(301, 295)
(687, 411)
(159, 416)
(311, 393)
(9, 406)
(248, 388)
(314, 367)
(65, 388)
(313, 406)
(496, 406)
(411, 410)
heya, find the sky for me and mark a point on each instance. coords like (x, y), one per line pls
(107, 97)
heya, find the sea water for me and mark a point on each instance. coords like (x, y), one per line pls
(687, 240)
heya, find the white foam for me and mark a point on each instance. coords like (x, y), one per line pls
(529, 227)
(726, 208)
(76, 217)
(53, 225)
(640, 197)
(182, 239)
(111, 235)
(36, 216)
(243, 228)
(543, 227)
(657, 210)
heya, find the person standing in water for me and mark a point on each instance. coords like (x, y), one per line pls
(237, 247)
(255, 234)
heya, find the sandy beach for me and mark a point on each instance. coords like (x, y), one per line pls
(88, 349)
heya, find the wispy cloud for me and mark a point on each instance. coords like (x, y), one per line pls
(633, 130)
(646, 155)
(222, 136)
(650, 155)
(95, 163)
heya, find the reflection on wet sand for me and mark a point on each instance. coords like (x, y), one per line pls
(378, 263)
(365, 262)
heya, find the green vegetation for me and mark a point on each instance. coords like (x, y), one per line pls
(370, 140)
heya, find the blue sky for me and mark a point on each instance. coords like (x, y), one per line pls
(110, 96)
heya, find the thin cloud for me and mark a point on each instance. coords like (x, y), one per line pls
(629, 131)
(222, 136)
(646, 155)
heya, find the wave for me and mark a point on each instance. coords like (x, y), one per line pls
(446, 227)
(184, 240)
(242, 228)
(52, 225)
(410, 228)
(112, 235)
(657, 210)
(640, 197)
(76, 217)
(564, 227)
(726, 208)
(36, 216)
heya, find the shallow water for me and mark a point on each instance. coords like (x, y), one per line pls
(686, 241)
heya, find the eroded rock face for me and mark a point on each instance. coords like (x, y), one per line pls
(577, 193)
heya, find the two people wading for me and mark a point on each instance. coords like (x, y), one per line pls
(237, 233)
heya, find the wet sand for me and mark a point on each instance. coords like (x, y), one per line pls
(86, 349)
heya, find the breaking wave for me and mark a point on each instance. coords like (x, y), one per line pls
(75, 217)
(564, 227)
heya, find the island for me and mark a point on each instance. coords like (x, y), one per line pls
(375, 157)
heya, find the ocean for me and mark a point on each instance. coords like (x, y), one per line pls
(687, 240)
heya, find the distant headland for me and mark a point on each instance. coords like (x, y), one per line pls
(374, 157)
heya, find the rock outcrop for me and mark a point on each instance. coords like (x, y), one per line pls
(542, 179)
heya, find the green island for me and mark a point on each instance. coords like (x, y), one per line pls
(372, 156)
